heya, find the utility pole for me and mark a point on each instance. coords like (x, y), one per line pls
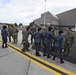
(45, 14)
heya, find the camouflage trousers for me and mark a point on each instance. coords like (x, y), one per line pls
(15, 38)
(67, 49)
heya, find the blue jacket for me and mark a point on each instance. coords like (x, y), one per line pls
(4, 33)
(47, 37)
(38, 36)
(59, 42)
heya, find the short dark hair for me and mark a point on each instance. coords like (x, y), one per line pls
(50, 28)
(27, 28)
(39, 29)
(60, 32)
(4, 27)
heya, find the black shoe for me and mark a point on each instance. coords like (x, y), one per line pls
(48, 56)
(2, 46)
(27, 50)
(6, 46)
(53, 57)
(23, 50)
(61, 61)
(38, 55)
(44, 54)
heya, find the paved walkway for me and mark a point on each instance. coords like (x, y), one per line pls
(13, 62)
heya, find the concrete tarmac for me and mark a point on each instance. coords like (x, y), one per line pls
(12, 63)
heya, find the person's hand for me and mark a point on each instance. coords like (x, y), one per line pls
(62, 50)
(42, 46)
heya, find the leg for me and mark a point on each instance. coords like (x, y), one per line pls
(55, 52)
(9, 38)
(69, 46)
(14, 38)
(31, 39)
(23, 49)
(44, 52)
(61, 56)
(25, 46)
(48, 51)
(6, 43)
(37, 45)
(3, 44)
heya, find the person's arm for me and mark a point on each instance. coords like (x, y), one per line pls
(6, 33)
(62, 43)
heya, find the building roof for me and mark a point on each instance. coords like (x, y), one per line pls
(54, 16)
(67, 11)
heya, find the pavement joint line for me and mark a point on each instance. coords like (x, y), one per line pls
(37, 63)
(6, 54)
(63, 70)
(55, 66)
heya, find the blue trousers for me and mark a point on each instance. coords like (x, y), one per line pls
(56, 49)
(47, 49)
(4, 41)
(38, 46)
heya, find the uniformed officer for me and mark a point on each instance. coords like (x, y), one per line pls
(69, 41)
(33, 30)
(59, 46)
(37, 39)
(47, 42)
(10, 32)
(25, 39)
(15, 34)
(53, 33)
(4, 35)
(23, 33)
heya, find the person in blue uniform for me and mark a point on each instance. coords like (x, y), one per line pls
(37, 39)
(59, 46)
(47, 42)
(4, 35)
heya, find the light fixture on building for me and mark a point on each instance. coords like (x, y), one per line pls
(74, 29)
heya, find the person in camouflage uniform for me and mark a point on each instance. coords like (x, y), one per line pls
(69, 41)
(15, 34)
(10, 31)
(23, 32)
(33, 30)
(25, 42)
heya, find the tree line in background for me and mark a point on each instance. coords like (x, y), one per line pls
(20, 24)
(17, 25)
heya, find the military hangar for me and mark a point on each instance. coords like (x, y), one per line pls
(50, 18)
(61, 20)
(67, 18)
(64, 19)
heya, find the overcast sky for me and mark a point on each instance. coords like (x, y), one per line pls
(25, 11)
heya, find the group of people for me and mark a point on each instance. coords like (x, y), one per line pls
(46, 38)
(9, 32)
(61, 42)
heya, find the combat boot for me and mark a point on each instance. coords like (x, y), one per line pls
(61, 61)
(38, 54)
(48, 56)
(23, 50)
(44, 54)
(53, 57)
(2, 46)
